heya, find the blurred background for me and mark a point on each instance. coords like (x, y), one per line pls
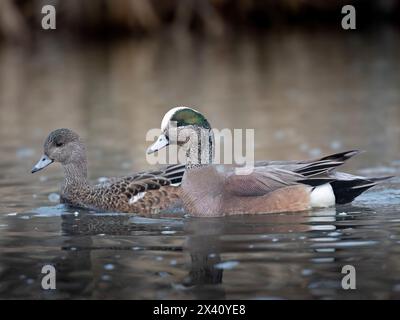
(111, 69)
(111, 18)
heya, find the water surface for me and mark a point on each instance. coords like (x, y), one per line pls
(305, 94)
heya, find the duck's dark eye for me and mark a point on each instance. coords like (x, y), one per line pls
(59, 144)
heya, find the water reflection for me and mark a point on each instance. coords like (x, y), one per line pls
(207, 242)
(175, 257)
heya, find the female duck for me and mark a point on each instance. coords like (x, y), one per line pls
(272, 186)
(143, 192)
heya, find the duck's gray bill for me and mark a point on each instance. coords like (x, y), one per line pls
(42, 163)
(161, 142)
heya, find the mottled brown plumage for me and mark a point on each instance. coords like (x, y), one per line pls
(146, 192)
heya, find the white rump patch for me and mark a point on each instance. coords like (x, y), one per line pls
(322, 196)
(137, 197)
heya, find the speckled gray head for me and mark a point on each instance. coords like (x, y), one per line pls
(62, 145)
(178, 119)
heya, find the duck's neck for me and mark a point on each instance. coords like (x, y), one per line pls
(200, 151)
(75, 172)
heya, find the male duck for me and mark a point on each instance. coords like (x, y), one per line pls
(209, 189)
(145, 192)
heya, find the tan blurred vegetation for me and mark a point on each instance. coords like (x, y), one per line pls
(20, 19)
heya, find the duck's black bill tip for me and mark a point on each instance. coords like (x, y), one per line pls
(35, 170)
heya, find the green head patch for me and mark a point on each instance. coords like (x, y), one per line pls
(190, 117)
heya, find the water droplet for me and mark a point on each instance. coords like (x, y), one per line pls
(109, 266)
(106, 277)
(323, 227)
(306, 272)
(227, 265)
(163, 274)
(323, 260)
(315, 152)
(102, 179)
(336, 145)
(168, 232)
(178, 286)
(54, 197)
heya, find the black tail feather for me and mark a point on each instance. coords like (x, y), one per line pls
(326, 164)
(341, 156)
(347, 190)
(344, 190)
(380, 178)
(319, 167)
